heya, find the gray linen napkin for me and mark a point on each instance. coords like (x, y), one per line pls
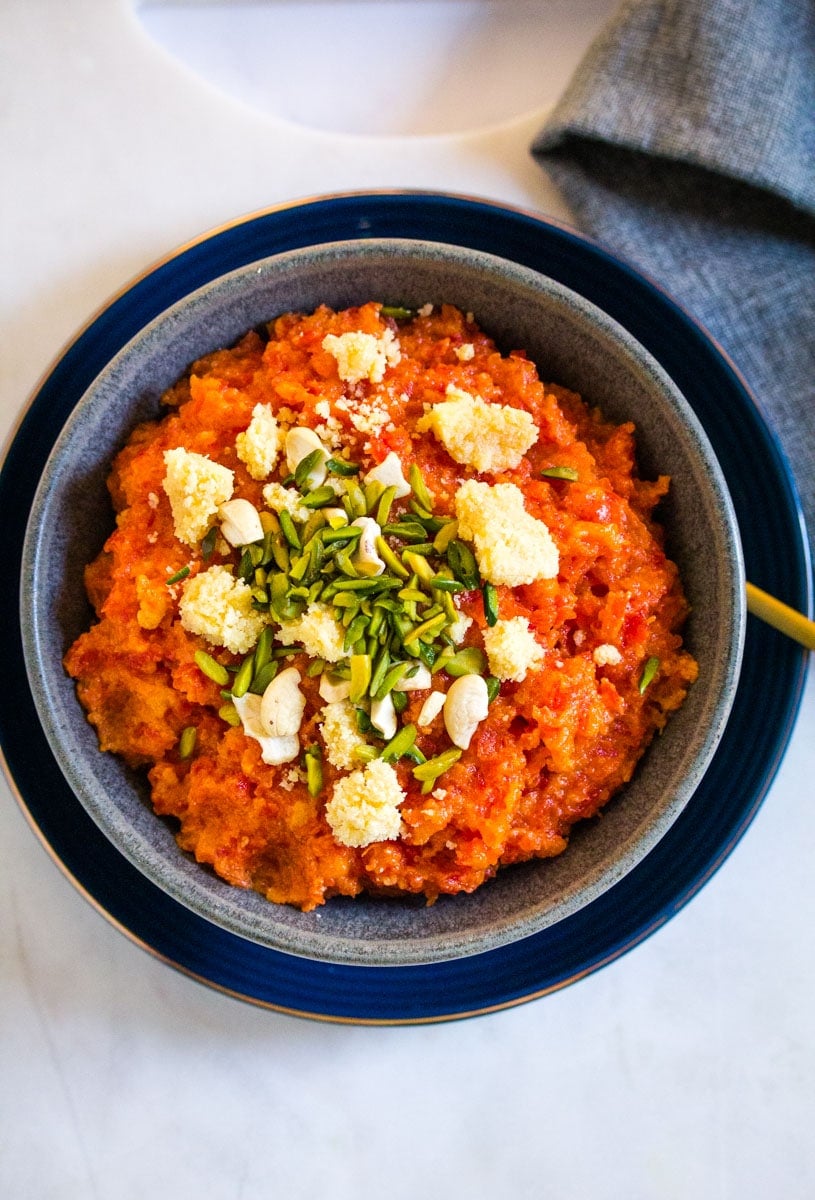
(686, 143)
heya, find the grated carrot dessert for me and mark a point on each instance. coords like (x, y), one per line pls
(382, 611)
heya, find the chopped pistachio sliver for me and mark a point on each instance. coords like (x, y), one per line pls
(444, 536)
(412, 594)
(444, 656)
(243, 679)
(356, 629)
(280, 551)
(314, 770)
(312, 526)
(343, 561)
(400, 743)
(319, 497)
(363, 721)
(414, 753)
(648, 674)
(179, 575)
(299, 567)
(208, 542)
(263, 649)
(269, 521)
(380, 670)
(372, 492)
(469, 661)
(365, 753)
(288, 530)
(212, 669)
(447, 585)
(426, 629)
(420, 489)
(377, 620)
(427, 654)
(306, 466)
(354, 500)
(423, 514)
(263, 678)
(228, 713)
(406, 531)
(343, 533)
(493, 687)
(418, 564)
(389, 558)
(434, 767)
(462, 563)
(339, 466)
(186, 743)
(360, 676)
(569, 473)
(431, 524)
(389, 680)
(490, 596)
(396, 312)
(384, 505)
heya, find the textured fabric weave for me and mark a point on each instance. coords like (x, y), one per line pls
(686, 143)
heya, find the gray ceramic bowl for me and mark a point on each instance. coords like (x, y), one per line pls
(573, 343)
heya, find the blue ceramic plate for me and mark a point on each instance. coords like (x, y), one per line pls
(723, 805)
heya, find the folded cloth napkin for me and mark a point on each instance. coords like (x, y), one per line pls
(686, 143)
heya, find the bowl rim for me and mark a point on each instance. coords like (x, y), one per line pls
(405, 952)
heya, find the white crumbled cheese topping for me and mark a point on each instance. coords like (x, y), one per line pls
(489, 437)
(331, 434)
(330, 431)
(152, 500)
(606, 655)
(465, 352)
(364, 806)
(341, 735)
(259, 445)
(366, 416)
(279, 498)
(425, 310)
(511, 546)
(512, 649)
(363, 355)
(218, 607)
(195, 487)
(318, 631)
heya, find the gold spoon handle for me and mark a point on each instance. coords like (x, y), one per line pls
(794, 624)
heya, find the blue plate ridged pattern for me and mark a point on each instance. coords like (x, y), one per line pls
(776, 558)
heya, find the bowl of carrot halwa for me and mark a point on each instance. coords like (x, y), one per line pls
(382, 602)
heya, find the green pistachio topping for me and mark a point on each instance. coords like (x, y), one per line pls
(569, 473)
(649, 672)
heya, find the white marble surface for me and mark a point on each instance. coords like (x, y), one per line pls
(683, 1069)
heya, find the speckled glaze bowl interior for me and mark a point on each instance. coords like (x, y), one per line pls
(573, 343)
